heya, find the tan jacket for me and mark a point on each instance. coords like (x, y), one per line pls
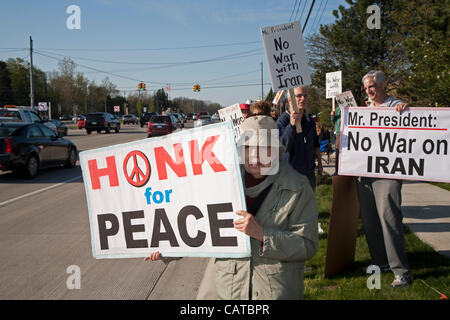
(275, 270)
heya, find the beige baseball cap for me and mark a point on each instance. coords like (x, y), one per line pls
(259, 131)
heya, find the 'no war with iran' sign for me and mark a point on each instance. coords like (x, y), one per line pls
(176, 194)
(380, 142)
(286, 57)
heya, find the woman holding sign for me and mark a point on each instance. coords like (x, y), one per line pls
(281, 220)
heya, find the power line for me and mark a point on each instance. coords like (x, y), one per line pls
(293, 9)
(315, 18)
(155, 49)
(296, 14)
(303, 10)
(309, 13)
(321, 15)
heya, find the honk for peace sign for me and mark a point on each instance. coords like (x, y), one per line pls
(176, 194)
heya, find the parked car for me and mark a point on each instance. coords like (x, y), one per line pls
(24, 114)
(130, 118)
(98, 121)
(66, 117)
(215, 117)
(145, 117)
(203, 120)
(61, 128)
(161, 125)
(26, 148)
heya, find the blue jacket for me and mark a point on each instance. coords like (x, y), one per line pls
(300, 147)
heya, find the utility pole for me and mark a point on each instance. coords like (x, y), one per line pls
(262, 88)
(31, 74)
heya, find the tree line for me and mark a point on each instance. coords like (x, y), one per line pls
(71, 92)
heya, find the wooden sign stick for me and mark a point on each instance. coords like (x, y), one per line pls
(293, 105)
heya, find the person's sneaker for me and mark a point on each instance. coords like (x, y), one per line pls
(383, 268)
(401, 281)
(320, 229)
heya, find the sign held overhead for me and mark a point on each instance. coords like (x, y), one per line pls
(286, 57)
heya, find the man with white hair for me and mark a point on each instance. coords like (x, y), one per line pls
(381, 200)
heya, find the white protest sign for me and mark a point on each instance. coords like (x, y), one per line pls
(333, 84)
(234, 115)
(116, 108)
(346, 100)
(379, 142)
(286, 57)
(166, 194)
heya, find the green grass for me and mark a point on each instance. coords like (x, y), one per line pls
(427, 265)
(442, 185)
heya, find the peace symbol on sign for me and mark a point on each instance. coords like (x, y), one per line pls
(137, 177)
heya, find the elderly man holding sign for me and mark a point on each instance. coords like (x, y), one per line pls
(281, 220)
(381, 201)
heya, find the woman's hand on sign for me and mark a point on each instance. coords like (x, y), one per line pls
(249, 226)
(400, 107)
(153, 256)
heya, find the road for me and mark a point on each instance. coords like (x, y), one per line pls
(44, 230)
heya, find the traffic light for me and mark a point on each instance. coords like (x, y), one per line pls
(140, 86)
(144, 87)
(196, 88)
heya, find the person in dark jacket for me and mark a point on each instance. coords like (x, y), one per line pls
(302, 149)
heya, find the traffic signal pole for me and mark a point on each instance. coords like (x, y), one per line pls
(31, 74)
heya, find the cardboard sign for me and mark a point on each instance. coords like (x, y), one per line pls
(343, 227)
(333, 84)
(286, 57)
(176, 194)
(346, 100)
(232, 114)
(379, 142)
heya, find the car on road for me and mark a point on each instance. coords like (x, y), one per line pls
(99, 121)
(145, 117)
(61, 128)
(180, 119)
(23, 114)
(66, 117)
(204, 120)
(25, 148)
(130, 119)
(161, 125)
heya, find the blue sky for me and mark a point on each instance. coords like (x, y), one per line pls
(136, 39)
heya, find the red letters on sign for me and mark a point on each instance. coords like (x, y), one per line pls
(162, 158)
(109, 171)
(197, 157)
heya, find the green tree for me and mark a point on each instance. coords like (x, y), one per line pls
(424, 33)
(6, 94)
(350, 46)
(161, 99)
(270, 96)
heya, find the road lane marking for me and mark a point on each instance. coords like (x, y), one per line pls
(5, 203)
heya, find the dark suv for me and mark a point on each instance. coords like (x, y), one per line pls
(145, 117)
(98, 121)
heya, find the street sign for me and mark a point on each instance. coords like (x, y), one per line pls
(42, 106)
